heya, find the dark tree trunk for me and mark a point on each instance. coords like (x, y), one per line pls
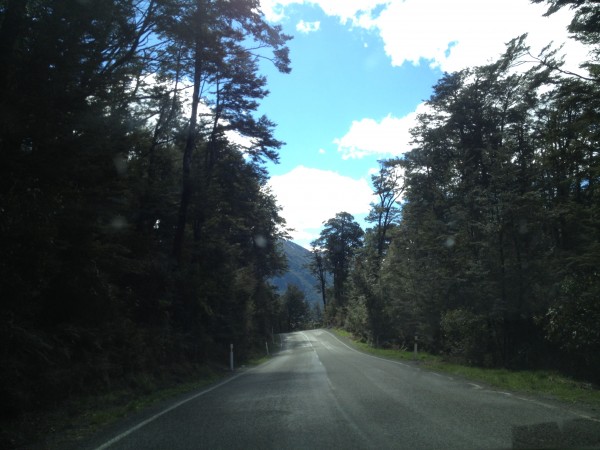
(190, 145)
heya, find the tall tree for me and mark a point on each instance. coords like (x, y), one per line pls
(470, 183)
(210, 33)
(295, 309)
(339, 239)
(318, 269)
(92, 134)
(388, 186)
(584, 26)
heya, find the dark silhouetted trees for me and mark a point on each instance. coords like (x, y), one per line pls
(136, 237)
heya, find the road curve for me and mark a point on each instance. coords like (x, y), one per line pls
(318, 393)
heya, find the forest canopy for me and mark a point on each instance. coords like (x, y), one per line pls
(138, 234)
(136, 229)
(485, 238)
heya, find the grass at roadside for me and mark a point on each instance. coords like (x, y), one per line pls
(79, 418)
(386, 352)
(99, 411)
(539, 382)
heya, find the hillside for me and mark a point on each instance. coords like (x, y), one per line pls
(298, 257)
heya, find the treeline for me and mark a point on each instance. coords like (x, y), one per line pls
(136, 231)
(486, 236)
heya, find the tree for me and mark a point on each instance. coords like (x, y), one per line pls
(569, 190)
(216, 38)
(66, 129)
(317, 268)
(388, 188)
(366, 298)
(496, 234)
(339, 239)
(585, 27)
(317, 315)
(295, 309)
(471, 180)
(91, 142)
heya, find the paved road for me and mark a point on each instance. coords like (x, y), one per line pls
(318, 393)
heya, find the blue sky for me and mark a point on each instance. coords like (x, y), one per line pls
(361, 69)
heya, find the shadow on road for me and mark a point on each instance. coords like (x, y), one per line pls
(576, 433)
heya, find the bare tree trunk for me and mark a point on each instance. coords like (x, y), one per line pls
(190, 145)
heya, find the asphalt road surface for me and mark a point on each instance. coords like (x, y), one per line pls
(318, 393)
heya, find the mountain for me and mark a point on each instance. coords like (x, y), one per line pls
(298, 257)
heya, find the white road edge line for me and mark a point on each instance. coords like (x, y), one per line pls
(117, 438)
(477, 387)
(366, 354)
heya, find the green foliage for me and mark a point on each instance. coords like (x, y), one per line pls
(317, 316)
(465, 336)
(572, 321)
(318, 269)
(544, 382)
(340, 238)
(295, 310)
(357, 317)
(493, 258)
(388, 187)
(95, 151)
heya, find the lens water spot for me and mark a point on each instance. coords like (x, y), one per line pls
(260, 241)
(118, 223)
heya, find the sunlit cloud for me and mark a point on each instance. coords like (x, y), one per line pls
(346, 10)
(274, 10)
(387, 137)
(447, 35)
(308, 27)
(350, 11)
(308, 197)
(465, 33)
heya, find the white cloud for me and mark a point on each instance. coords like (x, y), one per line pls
(345, 10)
(349, 10)
(274, 10)
(387, 137)
(455, 35)
(450, 35)
(308, 197)
(308, 27)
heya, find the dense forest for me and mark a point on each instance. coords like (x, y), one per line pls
(138, 234)
(136, 230)
(485, 238)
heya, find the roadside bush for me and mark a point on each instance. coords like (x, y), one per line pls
(571, 323)
(357, 317)
(465, 336)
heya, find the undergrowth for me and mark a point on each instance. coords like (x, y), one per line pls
(78, 418)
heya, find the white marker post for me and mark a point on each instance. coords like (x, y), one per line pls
(231, 357)
(416, 349)
(267, 347)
